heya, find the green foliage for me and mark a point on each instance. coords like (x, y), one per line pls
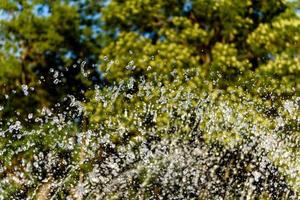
(137, 56)
(41, 35)
(184, 87)
(163, 115)
(24, 151)
(233, 49)
(233, 39)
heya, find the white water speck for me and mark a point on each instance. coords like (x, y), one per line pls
(30, 115)
(25, 89)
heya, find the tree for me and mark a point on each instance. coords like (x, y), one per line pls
(199, 99)
(48, 50)
(43, 43)
(236, 51)
(235, 40)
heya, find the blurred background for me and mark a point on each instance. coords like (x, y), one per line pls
(226, 40)
(56, 56)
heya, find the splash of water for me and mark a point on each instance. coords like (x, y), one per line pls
(152, 140)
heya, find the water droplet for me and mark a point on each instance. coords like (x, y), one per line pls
(25, 89)
(56, 81)
(30, 115)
